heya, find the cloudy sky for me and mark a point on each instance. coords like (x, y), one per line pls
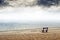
(29, 14)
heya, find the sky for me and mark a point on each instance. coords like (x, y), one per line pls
(29, 14)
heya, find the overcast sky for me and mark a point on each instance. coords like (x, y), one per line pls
(29, 14)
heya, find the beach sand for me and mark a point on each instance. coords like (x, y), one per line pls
(31, 34)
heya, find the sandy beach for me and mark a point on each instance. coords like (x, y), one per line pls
(31, 34)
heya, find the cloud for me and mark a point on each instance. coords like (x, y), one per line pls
(3, 3)
(28, 14)
(29, 3)
(48, 3)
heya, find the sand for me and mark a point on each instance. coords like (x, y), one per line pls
(31, 34)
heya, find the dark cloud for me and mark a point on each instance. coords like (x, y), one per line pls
(44, 3)
(48, 2)
(3, 3)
